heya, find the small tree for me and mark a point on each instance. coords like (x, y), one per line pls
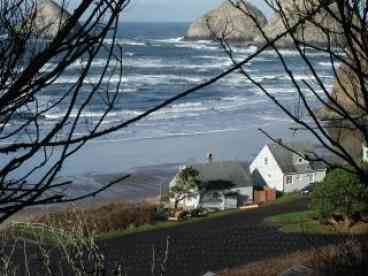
(186, 183)
(342, 193)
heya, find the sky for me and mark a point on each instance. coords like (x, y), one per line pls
(172, 10)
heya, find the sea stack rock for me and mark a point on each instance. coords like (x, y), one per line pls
(227, 22)
(48, 18)
(347, 93)
(308, 32)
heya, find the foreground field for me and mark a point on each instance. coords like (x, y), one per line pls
(223, 241)
(212, 245)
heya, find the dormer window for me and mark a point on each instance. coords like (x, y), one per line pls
(300, 160)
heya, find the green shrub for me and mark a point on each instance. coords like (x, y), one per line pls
(340, 194)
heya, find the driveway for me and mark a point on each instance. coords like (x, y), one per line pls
(211, 245)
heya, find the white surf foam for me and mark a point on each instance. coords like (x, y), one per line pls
(329, 64)
(198, 45)
(127, 42)
(170, 40)
(135, 79)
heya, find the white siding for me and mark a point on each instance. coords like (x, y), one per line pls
(245, 194)
(270, 170)
(365, 153)
(301, 181)
(320, 176)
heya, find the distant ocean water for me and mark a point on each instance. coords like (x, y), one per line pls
(159, 63)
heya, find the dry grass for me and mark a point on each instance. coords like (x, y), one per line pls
(271, 267)
(347, 258)
(104, 219)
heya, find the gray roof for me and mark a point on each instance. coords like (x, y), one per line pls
(232, 171)
(291, 162)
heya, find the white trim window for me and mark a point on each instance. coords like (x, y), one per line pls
(289, 179)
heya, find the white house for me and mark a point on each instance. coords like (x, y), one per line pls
(364, 153)
(214, 173)
(284, 170)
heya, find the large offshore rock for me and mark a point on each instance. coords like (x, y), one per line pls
(227, 22)
(347, 93)
(47, 19)
(313, 31)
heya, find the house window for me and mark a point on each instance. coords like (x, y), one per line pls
(300, 160)
(216, 195)
(289, 179)
(266, 160)
(310, 178)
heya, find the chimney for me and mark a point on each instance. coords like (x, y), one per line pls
(210, 157)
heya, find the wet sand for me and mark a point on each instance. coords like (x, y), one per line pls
(144, 184)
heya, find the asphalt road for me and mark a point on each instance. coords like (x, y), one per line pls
(212, 245)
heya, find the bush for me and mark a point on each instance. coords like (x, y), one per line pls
(340, 194)
(114, 216)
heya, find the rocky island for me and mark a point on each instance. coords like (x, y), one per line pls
(312, 32)
(47, 18)
(233, 24)
(228, 22)
(346, 93)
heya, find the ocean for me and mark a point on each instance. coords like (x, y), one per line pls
(222, 118)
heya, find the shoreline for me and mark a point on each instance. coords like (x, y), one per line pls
(143, 186)
(152, 163)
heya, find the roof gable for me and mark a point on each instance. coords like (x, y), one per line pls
(290, 162)
(226, 171)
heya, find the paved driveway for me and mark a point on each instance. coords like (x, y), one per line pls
(211, 245)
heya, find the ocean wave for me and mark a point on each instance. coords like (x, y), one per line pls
(291, 52)
(136, 79)
(164, 134)
(96, 63)
(169, 40)
(198, 45)
(124, 41)
(329, 64)
(214, 57)
(92, 114)
(306, 77)
(273, 118)
(178, 64)
(175, 111)
(276, 91)
(248, 50)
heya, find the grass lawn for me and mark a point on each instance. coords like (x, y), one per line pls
(301, 222)
(28, 232)
(165, 224)
(290, 197)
